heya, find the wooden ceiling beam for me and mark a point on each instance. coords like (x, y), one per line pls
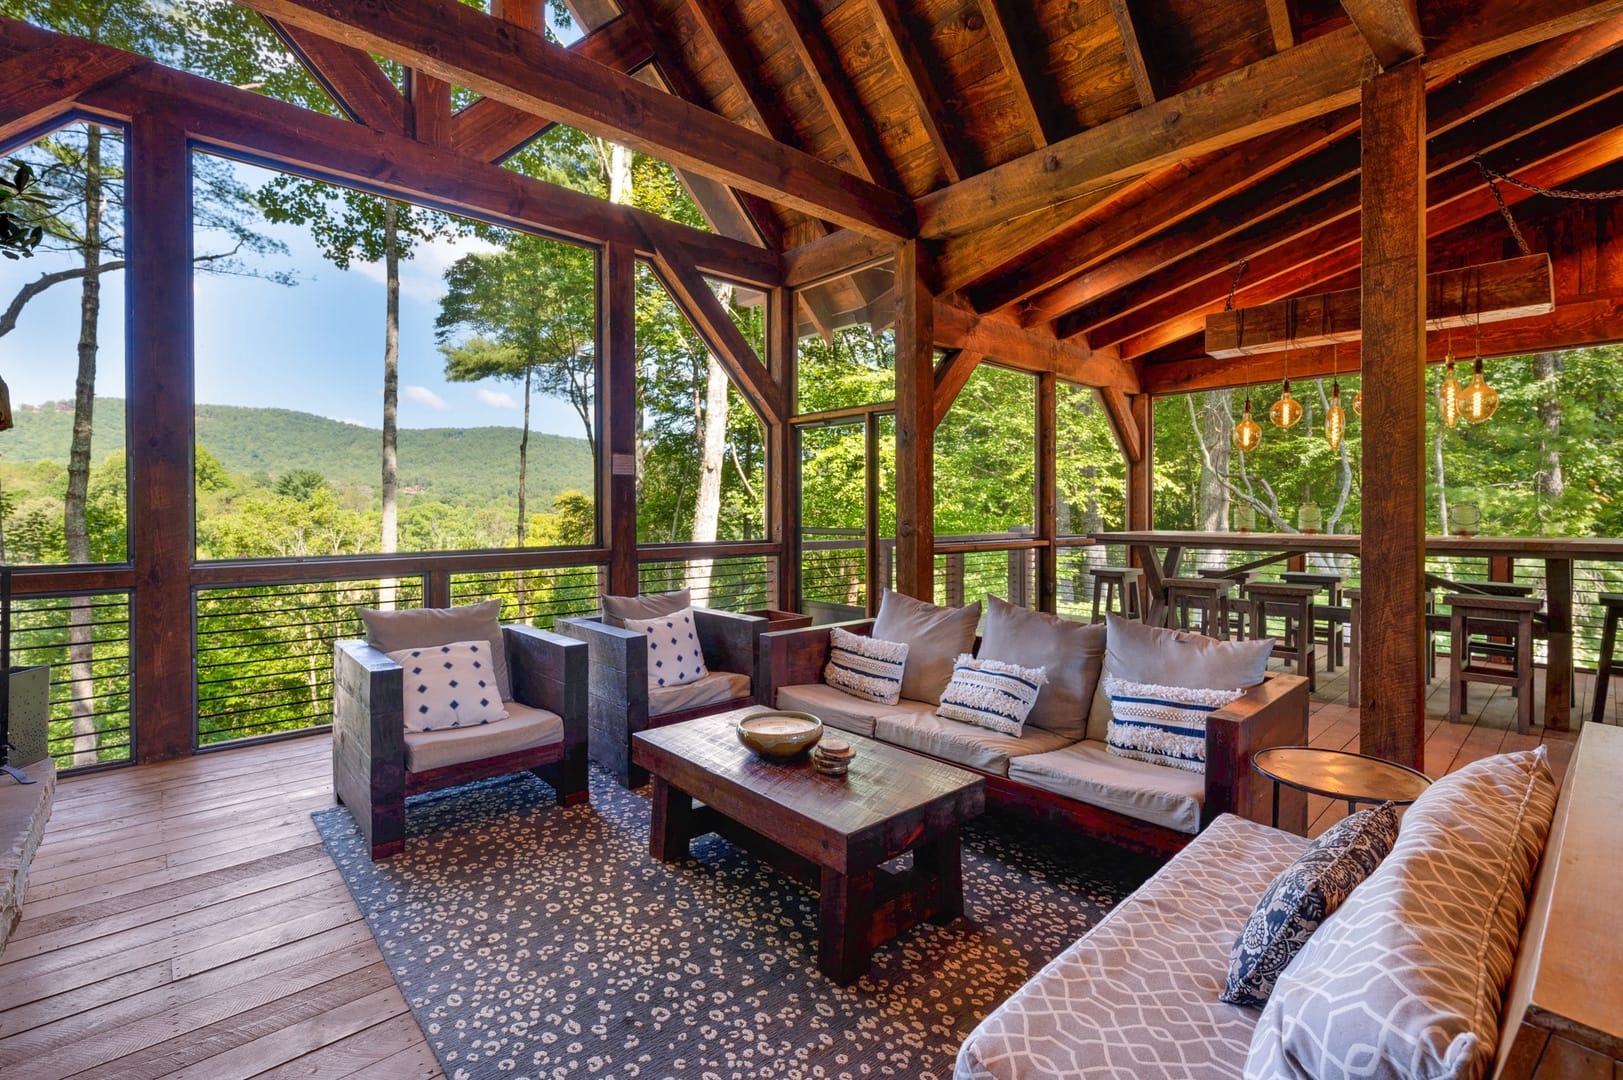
(733, 50)
(821, 63)
(917, 76)
(244, 124)
(1308, 80)
(958, 327)
(1119, 411)
(951, 376)
(492, 130)
(1006, 24)
(459, 44)
(1569, 326)
(1281, 24)
(430, 100)
(692, 293)
(43, 85)
(350, 77)
(1143, 81)
(1460, 296)
(1455, 197)
(835, 255)
(1391, 28)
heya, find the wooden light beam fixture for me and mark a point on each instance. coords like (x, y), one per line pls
(1487, 293)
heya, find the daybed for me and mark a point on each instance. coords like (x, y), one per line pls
(1058, 767)
(1411, 981)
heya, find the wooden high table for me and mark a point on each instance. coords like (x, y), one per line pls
(1558, 553)
(831, 833)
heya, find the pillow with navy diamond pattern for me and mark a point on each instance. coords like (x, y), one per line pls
(675, 656)
(1303, 895)
(448, 686)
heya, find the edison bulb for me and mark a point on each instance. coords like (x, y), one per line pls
(1287, 411)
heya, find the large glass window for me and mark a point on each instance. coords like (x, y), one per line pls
(847, 344)
(1090, 470)
(985, 456)
(375, 377)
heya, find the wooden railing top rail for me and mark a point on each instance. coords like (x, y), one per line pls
(1558, 547)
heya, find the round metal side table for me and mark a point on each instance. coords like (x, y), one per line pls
(1339, 774)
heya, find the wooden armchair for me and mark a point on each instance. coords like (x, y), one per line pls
(376, 763)
(620, 702)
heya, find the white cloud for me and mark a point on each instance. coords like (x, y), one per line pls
(422, 277)
(349, 420)
(422, 395)
(496, 399)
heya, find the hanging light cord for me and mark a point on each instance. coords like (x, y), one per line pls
(1493, 176)
(1239, 272)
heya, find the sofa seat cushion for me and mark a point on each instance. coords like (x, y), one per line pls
(525, 728)
(960, 743)
(1090, 773)
(713, 689)
(1137, 996)
(833, 707)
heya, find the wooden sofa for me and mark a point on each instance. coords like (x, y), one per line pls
(1138, 994)
(373, 754)
(1273, 713)
(620, 703)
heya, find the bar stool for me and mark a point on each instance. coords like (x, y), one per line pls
(1235, 611)
(1208, 595)
(1501, 617)
(1330, 617)
(1613, 603)
(1294, 604)
(1117, 587)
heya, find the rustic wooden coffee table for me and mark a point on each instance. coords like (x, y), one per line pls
(830, 833)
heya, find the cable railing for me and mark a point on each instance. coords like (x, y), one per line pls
(85, 641)
(538, 597)
(264, 653)
(726, 582)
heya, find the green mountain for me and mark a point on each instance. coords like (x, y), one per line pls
(455, 465)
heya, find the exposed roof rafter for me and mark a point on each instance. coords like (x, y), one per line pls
(1007, 27)
(918, 78)
(1143, 80)
(349, 76)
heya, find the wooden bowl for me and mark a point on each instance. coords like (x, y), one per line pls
(780, 735)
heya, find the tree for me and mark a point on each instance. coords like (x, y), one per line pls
(529, 312)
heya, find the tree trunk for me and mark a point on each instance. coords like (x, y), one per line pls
(1212, 495)
(1548, 482)
(81, 615)
(712, 456)
(390, 540)
(1442, 477)
(524, 463)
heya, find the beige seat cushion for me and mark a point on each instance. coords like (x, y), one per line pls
(1136, 998)
(524, 729)
(716, 687)
(963, 744)
(1090, 774)
(840, 710)
(1070, 653)
(617, 609)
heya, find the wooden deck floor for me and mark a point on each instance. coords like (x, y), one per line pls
(182, 919)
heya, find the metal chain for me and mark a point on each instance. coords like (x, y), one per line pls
(1504, 211)
(1239, 272)
(1554, 193)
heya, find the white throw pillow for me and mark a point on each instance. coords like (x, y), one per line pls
(675, 657)
(1164, 725)
(865, 667)
(448, 686)
(991, 694)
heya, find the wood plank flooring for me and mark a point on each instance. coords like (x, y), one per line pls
(182, 920)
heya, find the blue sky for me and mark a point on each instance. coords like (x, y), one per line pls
(316, 346)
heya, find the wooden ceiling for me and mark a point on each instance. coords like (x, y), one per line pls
(1089, 174)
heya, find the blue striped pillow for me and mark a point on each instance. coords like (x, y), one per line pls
(865, 667)
(991, 694)
(1165, 725)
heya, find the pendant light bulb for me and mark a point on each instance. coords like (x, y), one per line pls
(1449, 394)
(1247, 433)
(1287, 411)
(1478, 399)
(1335, 418)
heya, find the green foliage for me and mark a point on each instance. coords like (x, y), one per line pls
(22, 207)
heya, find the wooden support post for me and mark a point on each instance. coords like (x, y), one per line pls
(782, 515)
(617, 414)
(1141, 481)
(1047, 491)
(159, 281)
(1393, 551)
(915, 424)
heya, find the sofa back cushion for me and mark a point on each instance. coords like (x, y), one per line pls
(934, 637)
(1070, 652)
(413, 628)
(1408, 978)
(617, 609)
(1149, 654)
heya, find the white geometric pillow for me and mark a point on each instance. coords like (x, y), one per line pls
(865, 667)
(991, 694)
(449, 686)
(675, 656)
(1164, 725)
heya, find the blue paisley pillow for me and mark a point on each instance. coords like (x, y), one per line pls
(1303, 895)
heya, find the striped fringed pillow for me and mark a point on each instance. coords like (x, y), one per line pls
(1165, 725)
(991, 694)
(865, 667)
